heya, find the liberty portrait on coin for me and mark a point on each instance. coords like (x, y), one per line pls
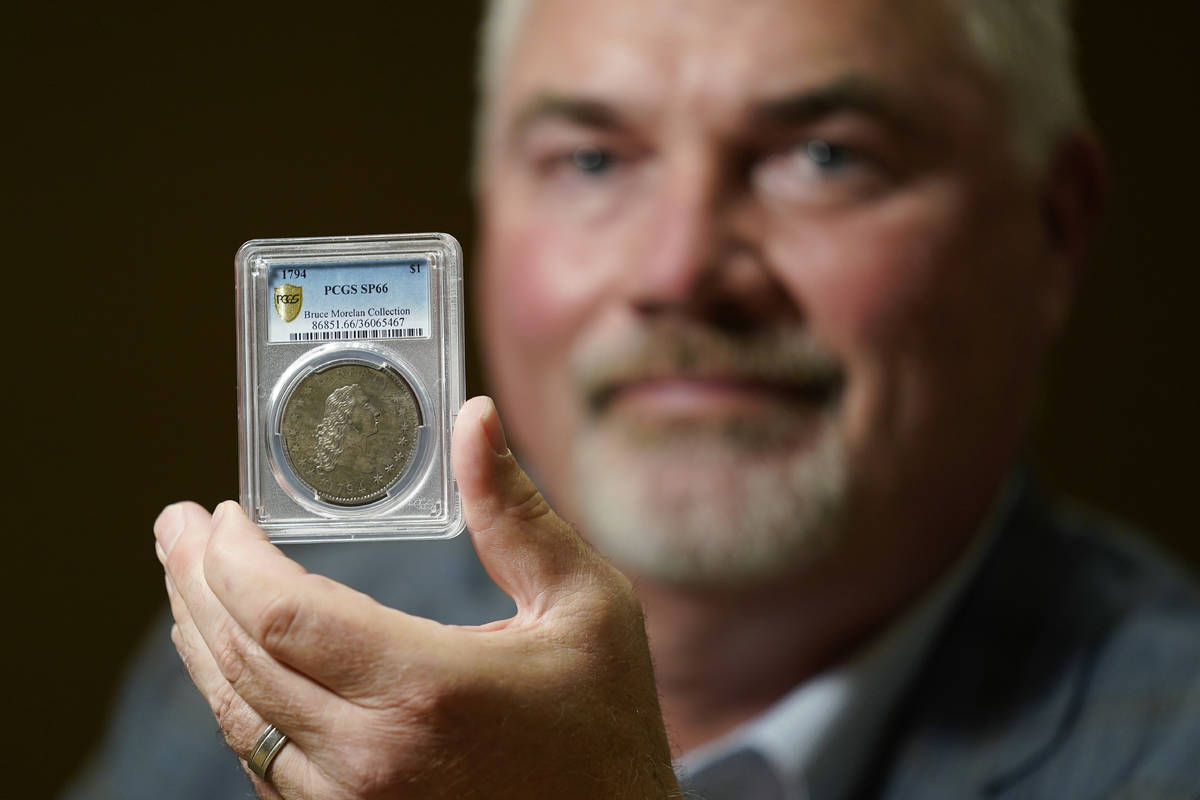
(347, 410)
(350, 431)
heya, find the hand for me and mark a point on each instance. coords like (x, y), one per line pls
(558, 701)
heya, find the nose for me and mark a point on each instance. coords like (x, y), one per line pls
(681, 235)
(701, 251)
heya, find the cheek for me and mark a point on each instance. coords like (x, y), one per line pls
(869, 280)
(538, 289)
(526, 296)
(543, 277)
(878, 286)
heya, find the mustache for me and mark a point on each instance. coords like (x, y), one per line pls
(788, 360)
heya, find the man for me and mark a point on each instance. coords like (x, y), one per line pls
(766, 288)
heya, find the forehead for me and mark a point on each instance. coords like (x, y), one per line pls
(724, 52)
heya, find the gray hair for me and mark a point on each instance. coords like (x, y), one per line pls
(331, 432)
(1027, 46)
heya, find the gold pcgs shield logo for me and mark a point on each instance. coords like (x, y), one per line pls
(288, 300)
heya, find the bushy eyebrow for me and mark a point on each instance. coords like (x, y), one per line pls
(851, 93)
(584, 112)
(848, 93)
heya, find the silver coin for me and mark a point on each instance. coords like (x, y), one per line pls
(350, 431)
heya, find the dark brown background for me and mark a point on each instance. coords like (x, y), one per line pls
(149, 145)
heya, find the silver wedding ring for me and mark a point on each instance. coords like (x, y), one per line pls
(265, 749)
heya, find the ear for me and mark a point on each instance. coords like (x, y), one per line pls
(1074, 195)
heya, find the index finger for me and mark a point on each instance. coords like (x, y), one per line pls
(335, 635)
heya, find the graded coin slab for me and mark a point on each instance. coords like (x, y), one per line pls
(350, 377)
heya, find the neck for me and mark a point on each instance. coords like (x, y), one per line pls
(723, 655)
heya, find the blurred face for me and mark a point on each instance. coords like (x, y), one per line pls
(760, 280)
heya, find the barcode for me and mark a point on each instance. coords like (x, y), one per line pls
(384, 333)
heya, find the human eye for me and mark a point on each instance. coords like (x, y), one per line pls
(574, 170)
(560, 150)
(590, 160)
(586, 163)
(828, 157)
(820, 171)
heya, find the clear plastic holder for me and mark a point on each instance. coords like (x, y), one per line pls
(350, 376)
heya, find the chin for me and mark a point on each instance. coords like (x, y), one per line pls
(693, 504)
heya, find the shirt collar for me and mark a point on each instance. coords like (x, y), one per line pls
(818, 737)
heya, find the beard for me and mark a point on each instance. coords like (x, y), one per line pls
(729, 500)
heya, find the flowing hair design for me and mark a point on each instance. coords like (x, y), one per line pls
(331, 433)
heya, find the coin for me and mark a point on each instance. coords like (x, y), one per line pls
(350, 431)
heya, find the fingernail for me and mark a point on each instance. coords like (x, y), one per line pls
(168, 526)
(171, 590)
(490, 419)
(158, 551)
(218, 514)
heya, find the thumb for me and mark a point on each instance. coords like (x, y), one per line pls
(529, 552)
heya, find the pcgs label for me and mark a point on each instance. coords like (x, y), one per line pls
(337, 302)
